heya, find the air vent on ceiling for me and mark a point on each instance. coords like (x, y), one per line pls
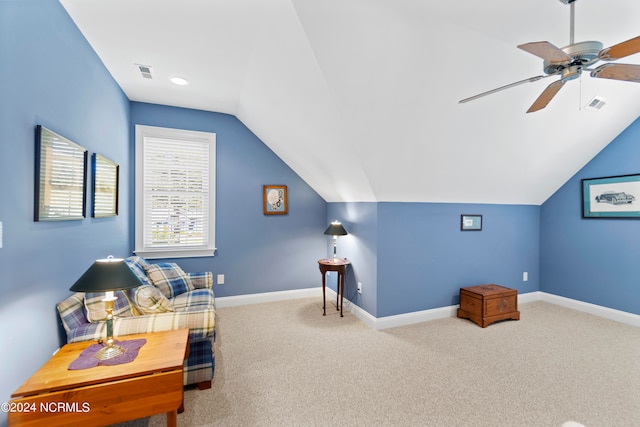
(145, 70)
(596, 103)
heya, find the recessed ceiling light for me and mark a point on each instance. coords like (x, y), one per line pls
(178, 81)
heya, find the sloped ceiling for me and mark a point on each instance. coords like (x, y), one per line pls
(360, 97)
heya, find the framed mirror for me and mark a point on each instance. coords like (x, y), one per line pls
(60, 178)
(105, 186)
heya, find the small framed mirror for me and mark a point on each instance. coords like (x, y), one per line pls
(60, 178)
(106, 175)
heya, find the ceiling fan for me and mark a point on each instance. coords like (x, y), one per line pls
(569, 62)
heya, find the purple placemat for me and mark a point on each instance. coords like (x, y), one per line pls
(87, 358)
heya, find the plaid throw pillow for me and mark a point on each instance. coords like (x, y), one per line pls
(169, 278)
(96, 309)
(150, 300)
(137, 265)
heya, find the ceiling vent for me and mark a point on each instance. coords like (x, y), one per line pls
(596, 103)
(145, 70)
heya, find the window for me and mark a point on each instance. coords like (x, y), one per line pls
(175, 192)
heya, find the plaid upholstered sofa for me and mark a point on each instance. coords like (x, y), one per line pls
(168, 299)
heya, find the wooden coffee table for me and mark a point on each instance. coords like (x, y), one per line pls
(151, 384)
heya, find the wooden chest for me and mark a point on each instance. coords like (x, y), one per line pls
(485, 304)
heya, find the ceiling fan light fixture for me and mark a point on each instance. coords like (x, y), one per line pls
(569, 62)
(570, 73)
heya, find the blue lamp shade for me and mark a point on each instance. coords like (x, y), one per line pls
(109, 274)
(336, 229)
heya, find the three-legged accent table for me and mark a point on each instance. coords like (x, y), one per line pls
(340, 266)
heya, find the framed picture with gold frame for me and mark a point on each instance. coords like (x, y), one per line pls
(274, 200)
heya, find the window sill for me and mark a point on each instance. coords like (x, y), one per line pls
(183, 253)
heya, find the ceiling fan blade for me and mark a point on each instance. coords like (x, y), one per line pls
(489, 92)
(626, 72)
(620, 50)
(546, 96)
(546, 51)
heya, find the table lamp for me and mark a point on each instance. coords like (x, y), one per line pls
(107, 275)
(335, 229)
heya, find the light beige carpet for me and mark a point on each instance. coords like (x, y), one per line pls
(283, 363)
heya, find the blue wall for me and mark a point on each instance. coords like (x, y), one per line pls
(594, 260)
(256, 252)
(49, 75)
(424, 259)
(360, 246)
(413, 256)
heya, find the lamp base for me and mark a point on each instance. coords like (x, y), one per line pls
(109, 352)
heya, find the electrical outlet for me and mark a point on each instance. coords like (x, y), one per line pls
(360, 287)
(525, 276)
(220, 279)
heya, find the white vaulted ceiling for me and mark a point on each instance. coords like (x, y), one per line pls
(360, 97)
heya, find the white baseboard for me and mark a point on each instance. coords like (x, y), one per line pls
(451, 311)
(237, 300)
(597, 310)
(379, 323)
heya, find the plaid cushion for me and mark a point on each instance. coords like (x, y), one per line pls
(203, 280)
(96, 308)
(169, 278)
(137, 265)
(72, 312)
(150, 300)
(199, 299)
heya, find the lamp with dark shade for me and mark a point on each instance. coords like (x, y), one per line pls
(335, 229)
(107, 275)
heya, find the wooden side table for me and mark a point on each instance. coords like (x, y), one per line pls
(338, 265)
(151, 384)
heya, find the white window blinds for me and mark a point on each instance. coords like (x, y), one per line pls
(174, 192)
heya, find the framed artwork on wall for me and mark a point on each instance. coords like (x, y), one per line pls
(106, 176)
(60, 178)
(470, 222)
(611, 197)
(274, 200)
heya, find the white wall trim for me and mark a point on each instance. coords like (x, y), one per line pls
(234, 301)
(380, 323)
(597, 310)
